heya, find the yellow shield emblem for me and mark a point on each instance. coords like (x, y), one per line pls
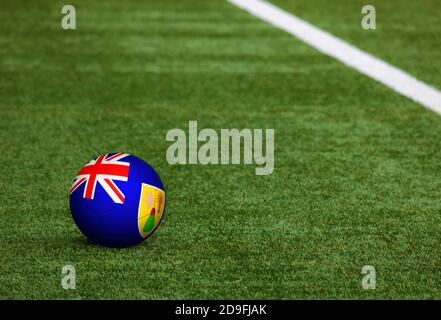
(151, 208)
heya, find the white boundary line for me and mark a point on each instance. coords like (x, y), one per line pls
(351, 56)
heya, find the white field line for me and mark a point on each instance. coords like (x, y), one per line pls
(351, 56)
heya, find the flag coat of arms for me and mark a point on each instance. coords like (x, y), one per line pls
(117, 200)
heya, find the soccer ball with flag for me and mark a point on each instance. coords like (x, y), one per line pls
(117, 200)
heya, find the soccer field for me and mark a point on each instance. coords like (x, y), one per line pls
(356, 179)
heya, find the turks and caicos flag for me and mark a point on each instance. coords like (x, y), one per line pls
(117, 200)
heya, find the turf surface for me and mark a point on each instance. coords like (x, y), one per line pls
(356, 178)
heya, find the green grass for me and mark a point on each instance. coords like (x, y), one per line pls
(407, 33)
(356, 177)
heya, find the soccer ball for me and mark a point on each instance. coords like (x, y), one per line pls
(117, 200)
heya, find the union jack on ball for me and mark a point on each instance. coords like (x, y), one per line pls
(117, 200)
